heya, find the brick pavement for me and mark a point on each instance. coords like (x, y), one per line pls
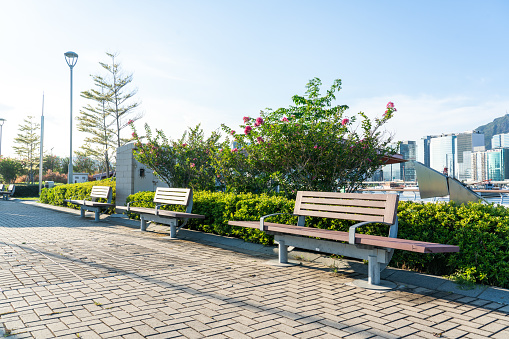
(62, 276)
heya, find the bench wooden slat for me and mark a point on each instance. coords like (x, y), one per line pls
(345, 202)
(361, 239)
(172, 196)
(350, 206)
(343, 209)
(359, 196)
(163, 213)
(347, 216)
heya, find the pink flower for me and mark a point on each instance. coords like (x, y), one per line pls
(134, 135)
(258, 122)
(192, 165)
(232, 132)
(235, 149)
(194, 159)
(345, 121)
(220, 150)
(259, 139)
(285, 119)
(130, 122)
(246, 119)
(390, 104)
(247, 130)
(315, 147)
(184, 145)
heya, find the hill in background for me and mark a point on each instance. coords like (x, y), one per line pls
(497, 126)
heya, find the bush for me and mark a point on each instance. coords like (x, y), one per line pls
(481, 231)
(26, 191)
(56, 195)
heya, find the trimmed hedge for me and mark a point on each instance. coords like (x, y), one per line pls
(481, 231)
(56, 195)
(26, 190)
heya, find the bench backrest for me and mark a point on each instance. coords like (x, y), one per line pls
(175, 196)
(348, 206)
(11, 189)
(104, 192)
(1, 187)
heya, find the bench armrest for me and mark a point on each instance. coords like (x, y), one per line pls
(262, 219)
(130, 202)
(393, 231)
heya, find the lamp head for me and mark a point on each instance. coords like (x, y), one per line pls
(71, 58)
(2, 120)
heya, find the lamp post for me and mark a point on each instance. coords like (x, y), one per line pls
(2, 120)
(71, 58)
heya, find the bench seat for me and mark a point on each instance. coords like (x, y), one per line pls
(162, 213)
(165, 196)
(92, 205)
(360, 207)
(360, 239)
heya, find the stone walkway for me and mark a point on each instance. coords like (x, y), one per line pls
(67, 277)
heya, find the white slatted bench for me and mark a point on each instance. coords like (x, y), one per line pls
(165, 196)
(8, 193)
(92, 205)
(365, 208)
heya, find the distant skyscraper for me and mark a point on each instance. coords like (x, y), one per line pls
(500, 140)
(442, 153)
(423, 155)
(465, 144)
(405, 170)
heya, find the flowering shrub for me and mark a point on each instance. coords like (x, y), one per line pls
(181, 163)
(308, 146)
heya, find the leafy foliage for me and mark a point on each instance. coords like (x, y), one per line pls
(181, 163)
(10, 169)
(27, 142)
(309, 146)
(56, 195)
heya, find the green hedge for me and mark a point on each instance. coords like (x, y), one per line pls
(25, 190)
(56, 195)
(481, 231)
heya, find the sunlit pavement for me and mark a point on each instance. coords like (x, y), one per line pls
(67, 277)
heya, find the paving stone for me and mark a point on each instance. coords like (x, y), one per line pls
(104, 280)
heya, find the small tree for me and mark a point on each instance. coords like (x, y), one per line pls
(181, 163)
(10, 169)
(84, 164)
(28, 145)
(97, 121)
(51, 162)
(120, 99)
(310, 146)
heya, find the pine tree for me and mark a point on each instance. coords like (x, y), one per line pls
(98, 122)
(28, 141)
(119, 96)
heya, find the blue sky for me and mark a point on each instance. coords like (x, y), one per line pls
(443, 63)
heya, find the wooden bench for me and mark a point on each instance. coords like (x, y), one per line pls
(165, 196)
(365, 208)
(98, 192)
(8, 193)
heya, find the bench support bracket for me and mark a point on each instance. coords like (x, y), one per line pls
(377, 258)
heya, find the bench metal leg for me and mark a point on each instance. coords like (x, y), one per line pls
(97, 216)
(373, 270)
(283, 252)
(173, 230)
(82, 212)
(143, 224)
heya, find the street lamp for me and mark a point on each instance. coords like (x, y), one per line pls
(2, 120)
(71, 58)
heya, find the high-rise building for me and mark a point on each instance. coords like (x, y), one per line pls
(423, 155)
(500, 140)
(465, 144)
(490, 165)
(443, 153)
(405, 170)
